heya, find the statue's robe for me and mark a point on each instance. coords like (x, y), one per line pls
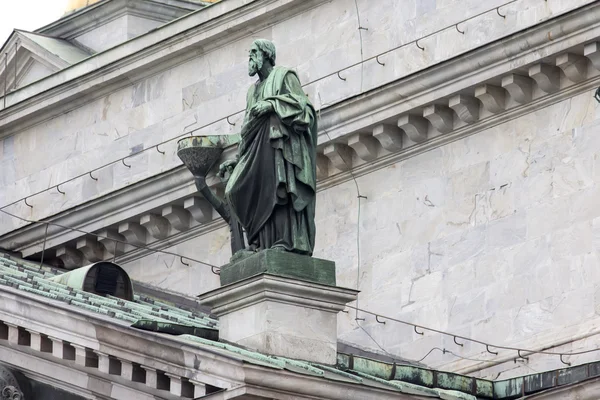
(272, 189)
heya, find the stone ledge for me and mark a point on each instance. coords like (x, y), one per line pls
(235, 296)
(280, 263)
(280, 316)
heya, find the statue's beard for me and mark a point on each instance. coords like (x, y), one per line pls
(254, 65)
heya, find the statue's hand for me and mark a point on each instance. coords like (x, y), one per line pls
(227, 166)
(261, 108)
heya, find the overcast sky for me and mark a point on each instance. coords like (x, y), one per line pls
(28, 14)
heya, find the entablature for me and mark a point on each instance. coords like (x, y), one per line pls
(489, 86)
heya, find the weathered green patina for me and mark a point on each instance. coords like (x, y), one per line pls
(272, 186)
(154, 315)
(281, 263)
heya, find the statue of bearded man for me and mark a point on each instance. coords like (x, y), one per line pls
(272, 186)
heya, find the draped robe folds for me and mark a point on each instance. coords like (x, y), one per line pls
(272, 189)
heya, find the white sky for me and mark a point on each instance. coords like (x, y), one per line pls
(28, 14)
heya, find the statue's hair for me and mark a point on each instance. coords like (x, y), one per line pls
(268, 48)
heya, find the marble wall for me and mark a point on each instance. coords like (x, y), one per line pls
(202, 90)
(495, 236)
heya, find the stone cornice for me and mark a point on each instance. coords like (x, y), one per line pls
(371, 131)
(480, 65)
(103, 339)
(100, 13)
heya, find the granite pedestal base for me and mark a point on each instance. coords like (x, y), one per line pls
(279, 315)
(281, 263)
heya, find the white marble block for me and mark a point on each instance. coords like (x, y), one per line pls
(281, 316)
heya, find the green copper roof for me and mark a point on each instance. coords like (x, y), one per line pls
(33, 279)
(197, 328)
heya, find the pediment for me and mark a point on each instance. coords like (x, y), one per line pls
(30, 57)
(105, 24)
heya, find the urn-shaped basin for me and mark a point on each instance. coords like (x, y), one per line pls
(199, 153)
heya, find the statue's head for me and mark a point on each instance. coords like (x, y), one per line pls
(261, 52)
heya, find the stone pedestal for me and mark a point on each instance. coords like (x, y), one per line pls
(281, 315)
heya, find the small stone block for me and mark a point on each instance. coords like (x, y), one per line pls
(151, 377)
(199, 388)
(592, 51)
(281, 263)
(103, 362)
(127, 370)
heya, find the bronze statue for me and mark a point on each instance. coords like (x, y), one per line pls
(272, 184)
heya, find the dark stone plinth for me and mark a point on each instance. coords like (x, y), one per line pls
(281, 263)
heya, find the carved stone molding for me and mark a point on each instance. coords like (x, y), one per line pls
(9, 387)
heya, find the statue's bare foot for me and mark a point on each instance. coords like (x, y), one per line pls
(240, 255)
